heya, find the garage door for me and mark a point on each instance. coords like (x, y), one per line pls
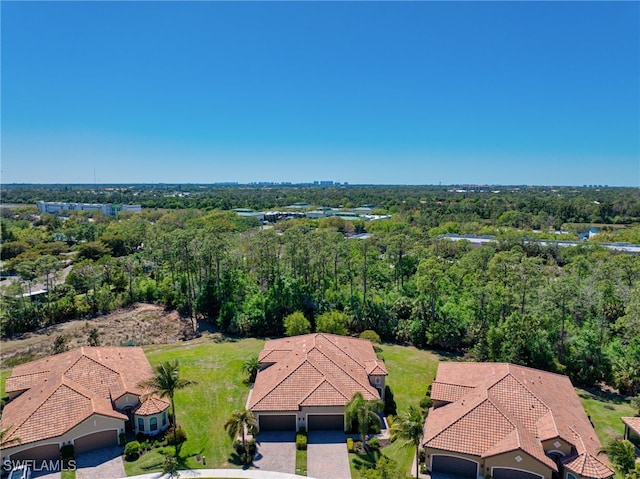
(506, 473)
(47, 452)
(455, 466)
(96, 441)
(325, 422)
(278, 423)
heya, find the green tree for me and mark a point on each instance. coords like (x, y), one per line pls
(296, 324)
(408, 427)
(332, 322)
(165, 382)
(240, 422)
(364, 412)
(621, 453)
(251, 366)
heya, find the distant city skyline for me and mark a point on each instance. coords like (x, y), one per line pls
(497, 93)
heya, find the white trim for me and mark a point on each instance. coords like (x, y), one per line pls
(516, 469)
(457, 457)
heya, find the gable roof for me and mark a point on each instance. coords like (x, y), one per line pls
(57, 393)
(314, 370)
(500, 407)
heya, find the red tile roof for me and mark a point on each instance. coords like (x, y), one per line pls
(314, 370)
(633, 423)
(152, 405)
(496, 408)
(59, 392)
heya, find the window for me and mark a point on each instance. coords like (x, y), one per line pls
(164, 418)
(153, 424)
(570, 476)
(141, 425)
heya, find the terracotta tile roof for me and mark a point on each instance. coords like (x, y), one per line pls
(152, 405)
(314, 370)
(499, 408)
(587, 465)
(633, 423)
(63, 390)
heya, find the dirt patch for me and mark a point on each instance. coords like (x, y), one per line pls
(137, 325)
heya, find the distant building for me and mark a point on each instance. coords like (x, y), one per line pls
(109, 209)
(249, 213)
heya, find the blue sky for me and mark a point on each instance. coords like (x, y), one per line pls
(364, 92)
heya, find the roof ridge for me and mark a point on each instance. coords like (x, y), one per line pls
(367, 386)
(83, 355)
(327, 337)
(305, 360)
(324, 380)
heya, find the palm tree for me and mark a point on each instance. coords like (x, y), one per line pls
(251, 366)
(364, 412)
(238, 422)
(621, 453)
(408, 427)
(164, 383)
(4, 442)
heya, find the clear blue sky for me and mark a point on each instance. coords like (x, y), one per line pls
(364, 92)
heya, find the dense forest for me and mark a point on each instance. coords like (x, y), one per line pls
(574, 310)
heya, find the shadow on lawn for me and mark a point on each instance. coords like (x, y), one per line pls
(236, 461)
(365, 461)
(603, 396)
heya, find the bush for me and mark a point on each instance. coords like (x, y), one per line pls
(177, 437)
(301, 442)
(370, 335)
(252, 447)
(349, 444)
(132, 451)
(238, 447)
(122, 439)
(374, 443)
(67, 453)
(423, 468)
(302, 430)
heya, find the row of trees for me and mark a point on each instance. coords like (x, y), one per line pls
(573, 310)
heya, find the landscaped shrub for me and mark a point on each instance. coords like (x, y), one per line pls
(132, 450)
(302, 430)
(177, 437)
(390, 406)
(301, 442)
(374, 443)
(350, 444)
(370, 335)
(122, 439)
(239, 447)
(252, 446)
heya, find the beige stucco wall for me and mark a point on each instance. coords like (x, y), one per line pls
(527, 463)
(147, 423)
(549, 446)
(125, 400)
(94, 423)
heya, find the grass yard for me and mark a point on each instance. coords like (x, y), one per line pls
(301, 462)
(605, 410)
(202, 409)
(411, 370)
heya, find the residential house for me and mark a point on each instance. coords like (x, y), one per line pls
(306, 381)
(85, 397)
(509, 422)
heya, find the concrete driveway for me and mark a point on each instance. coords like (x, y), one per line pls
(327, 456)
(105, 463)
(276, 452)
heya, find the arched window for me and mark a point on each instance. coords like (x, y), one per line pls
(141, 425)
(570, 476)
(153, 424)
(164, 418)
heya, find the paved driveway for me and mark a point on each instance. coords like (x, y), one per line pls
(327, 456)
(276, 452)
(105, 463)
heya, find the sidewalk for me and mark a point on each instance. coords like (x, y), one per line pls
(221, 474)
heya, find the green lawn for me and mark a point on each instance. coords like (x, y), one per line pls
(410, 370)
(202, 409)
(605, 410)
(301, 462)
